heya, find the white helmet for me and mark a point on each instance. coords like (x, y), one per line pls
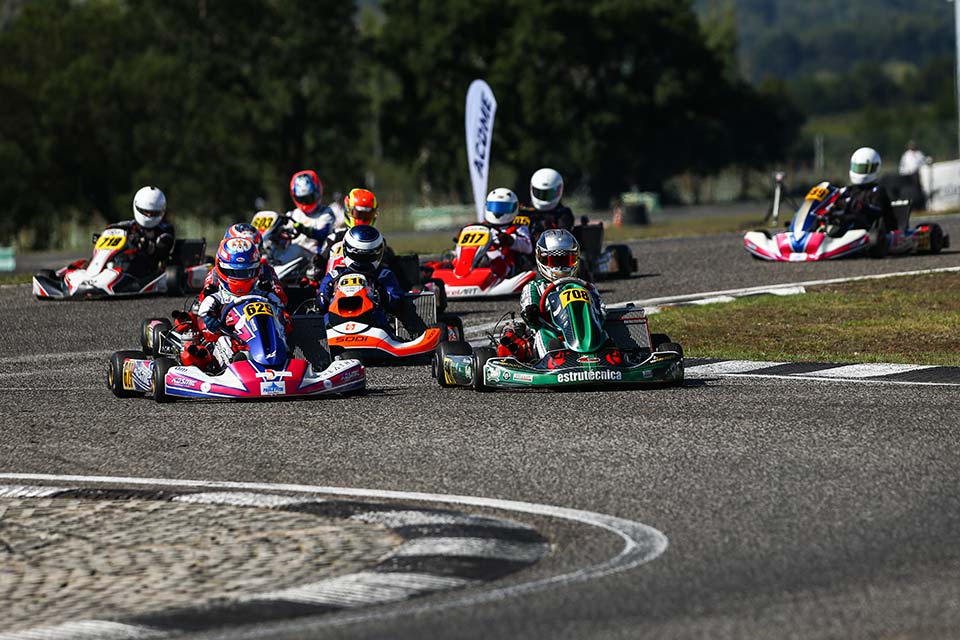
(546, 189)
(149, 205)
(864, 166)
(502, 206)
(558, 254)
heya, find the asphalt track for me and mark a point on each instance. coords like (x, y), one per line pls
(793, 508)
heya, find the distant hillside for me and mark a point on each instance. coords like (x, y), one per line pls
(786, 38)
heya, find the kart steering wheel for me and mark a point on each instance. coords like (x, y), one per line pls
(553, 285)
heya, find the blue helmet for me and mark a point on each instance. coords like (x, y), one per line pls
(363, 248)
(238, 265)
(243, 230)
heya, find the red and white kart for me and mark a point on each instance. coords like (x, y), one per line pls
(812, 235)
(105, 275)
(177, 362)
(353, 329)
(479, 266)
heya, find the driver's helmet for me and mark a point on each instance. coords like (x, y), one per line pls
(864, 166)
(558, 254)
(501, 207)
(546, 189)
(306, 191)
(359, 207)
(363, 248)
(238, 265)
(244, 230)
(149, 205)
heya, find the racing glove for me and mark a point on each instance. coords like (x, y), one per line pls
(505, 239)
(212, 324)
(531, 315)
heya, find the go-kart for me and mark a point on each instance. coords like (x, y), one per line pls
(598, 262)
(585, 351)
(813, 233)
(277, 233)
(479, 267)
(353, 329)
(106, 274)
(252, 362)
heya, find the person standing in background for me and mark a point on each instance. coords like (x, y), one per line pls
(910, 186)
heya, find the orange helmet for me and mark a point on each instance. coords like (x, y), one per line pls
(359, 207)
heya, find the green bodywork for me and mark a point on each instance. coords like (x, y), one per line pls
(659, 367)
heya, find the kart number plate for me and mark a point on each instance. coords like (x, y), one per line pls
(817, 193)
(577, 294)
(473, 238)
(522, 221)
(111, 241)
(263, 222)
(252, 309)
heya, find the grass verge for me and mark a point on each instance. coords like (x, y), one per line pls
(15, 278)
(911, 319)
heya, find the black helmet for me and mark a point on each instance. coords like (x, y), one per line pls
(363, 248)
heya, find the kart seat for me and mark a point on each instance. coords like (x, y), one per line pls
(901, 210)
(188, 252)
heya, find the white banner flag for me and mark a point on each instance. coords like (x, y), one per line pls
(941, 182)
(480, 109)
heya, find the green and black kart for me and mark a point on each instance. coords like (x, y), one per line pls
(616, 351)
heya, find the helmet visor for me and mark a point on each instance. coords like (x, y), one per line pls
(864, 167)
(240, 273)
(148, 213)
(545, 194)
(559, 261)
(364, 215)
(500, 208)
(307, 198)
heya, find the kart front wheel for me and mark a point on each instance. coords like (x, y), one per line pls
(443, 350)
(160, 367)
(452, 328)
(146, 332)
(115, 373)
(480, 357)
(936, 238)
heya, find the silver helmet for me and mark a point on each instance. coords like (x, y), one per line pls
(558, 254)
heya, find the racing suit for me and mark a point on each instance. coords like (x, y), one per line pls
(151, 247)
(515, 244)
(545, 337)
(307, 243)
(391, 298)
(861, 205)
(211, 309)
(560, 217)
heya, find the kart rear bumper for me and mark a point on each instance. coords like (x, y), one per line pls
(815, 246)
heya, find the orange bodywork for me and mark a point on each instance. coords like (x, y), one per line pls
(424, 344)
(351, 306)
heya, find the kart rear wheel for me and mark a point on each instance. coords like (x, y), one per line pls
(670, 346)
(160, 367)
(146, 331)
(657, 339)
(443, 350)
(480, 357)
(115, 373)
(624, 260)
(176, 279)
(450, 325)
(881, 248)
(936, 238)
(439, 294)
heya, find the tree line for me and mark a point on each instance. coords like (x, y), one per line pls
(219, 101)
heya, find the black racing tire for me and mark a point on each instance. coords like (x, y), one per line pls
(176, 280)
(443, 350)
(881, 249)
(115, 373)
(624, 260)
(448, 322)
(156, 336)
(440, 294)
(936, 238)
(657, 339)
(160, 367)
(670, 346)
(480, 357)
(145, 338)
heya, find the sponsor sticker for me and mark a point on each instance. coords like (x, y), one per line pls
(588, 359)
(589, 376)
(205, 387)
(143, 375)
(180, 381)
(523, 377)
(574, 294)
(270, 374)
(275, 388)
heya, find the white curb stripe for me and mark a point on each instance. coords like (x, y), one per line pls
(240, 499)
(729, 366)
(8, 491)
(396, 519)
(490, 548)
(365, 588)
(84, 630)
(867, 370)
